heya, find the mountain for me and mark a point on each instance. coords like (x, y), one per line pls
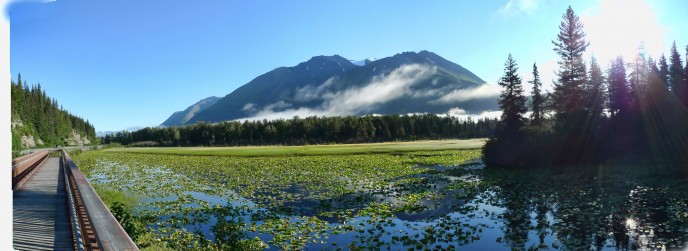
(409, 82)
(362, 62)
(181, 117)
(273, 86)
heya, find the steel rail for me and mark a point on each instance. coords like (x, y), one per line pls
(100, 229)
(76, 230)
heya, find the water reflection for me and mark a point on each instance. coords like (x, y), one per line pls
(464, 207)
(617, 208)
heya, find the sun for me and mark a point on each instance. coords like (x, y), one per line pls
(623, 28)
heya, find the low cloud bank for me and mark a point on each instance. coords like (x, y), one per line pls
(478, 92)
(381, 89)
(462, 115)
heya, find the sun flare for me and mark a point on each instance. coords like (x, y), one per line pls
(621, 28)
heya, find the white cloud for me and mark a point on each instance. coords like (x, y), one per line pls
(518, 6)
(286, 114)
(249, 107)
(478, 92)
(310, 92)
(381, 89)
(462, 115)
(279, 105)
(454, 112)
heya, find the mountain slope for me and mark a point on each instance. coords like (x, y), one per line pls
(181, 117)
(409, 82)
(273, 86)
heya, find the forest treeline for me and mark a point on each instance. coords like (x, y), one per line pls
(309, 130)
(38, 118)
(636, 111)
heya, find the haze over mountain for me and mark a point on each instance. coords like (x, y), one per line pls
(181, 117)
(409, 82)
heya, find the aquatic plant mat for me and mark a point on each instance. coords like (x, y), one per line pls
(440, 199)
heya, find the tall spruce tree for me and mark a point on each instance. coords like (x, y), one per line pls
(656, 85)
(537, 103)
(619, 100)
(511, 101)
(508, 147)
(596, 94)
(569, 90)
(684, 97)
(675, 71)
(637, 81)
(664, 70)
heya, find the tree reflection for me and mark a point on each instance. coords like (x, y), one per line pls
(617, 208)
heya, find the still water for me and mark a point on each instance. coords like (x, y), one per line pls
(600, 208)
(471, 208)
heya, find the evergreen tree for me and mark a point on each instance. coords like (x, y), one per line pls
(675, 71)
(41, 118)
(664, 71)
(684, 97)
(508, 146)
(596, 94)
(511, 101)
(619, 102)
(537, 105)
(637, 82)
(569, 93)
(656, 85)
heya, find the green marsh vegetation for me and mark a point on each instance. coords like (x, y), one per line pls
(419, 200)
(336, 149)
(282, 200)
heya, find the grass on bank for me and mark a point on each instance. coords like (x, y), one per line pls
(338, 149)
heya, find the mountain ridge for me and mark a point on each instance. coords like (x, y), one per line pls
(408, 82)
(180, 118)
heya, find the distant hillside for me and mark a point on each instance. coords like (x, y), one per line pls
(181, 117)
(409, 82)
(38, 120)
(277, 85)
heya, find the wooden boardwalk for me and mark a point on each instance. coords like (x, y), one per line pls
(41, 218)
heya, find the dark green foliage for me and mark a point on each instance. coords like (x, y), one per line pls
(596, 92)
(572, 91)
(569, 96)
(664, 71)
(537, 105)
(619, 93)
(675, 71)
(684, 96)
(511, 101)
(309, 130)
(506, 147)
(646, 123)
(35, 114)
(125, 218)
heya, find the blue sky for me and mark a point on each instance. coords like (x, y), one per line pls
(125, 64)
